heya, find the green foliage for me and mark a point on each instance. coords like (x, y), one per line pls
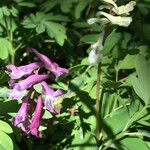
(5, 48)
(5, 141)
(43, 22)
(141, 84)
(133, 143)
(5, 127)
(112, 118)
(59, 29)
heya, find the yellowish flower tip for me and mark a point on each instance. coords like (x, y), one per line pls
(124, 9)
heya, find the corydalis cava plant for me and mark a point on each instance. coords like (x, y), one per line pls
(116, 16)
(27, 122)
(120, 16)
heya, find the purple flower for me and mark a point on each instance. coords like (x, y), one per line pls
(52, 66)
(21, 120)
(15, 94)
(29, 81)
(51, 96)
(35, 121)
(11, 83)
(18, 72)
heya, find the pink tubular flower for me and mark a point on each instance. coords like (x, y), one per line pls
(18, 72)
(21, 120)
(51, 96)
(15, 94)
(35, 121)
(11, 83)
(52, 66)
(29, 81)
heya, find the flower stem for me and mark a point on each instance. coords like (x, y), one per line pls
(98, 101)
(97, 109)
(13, 58)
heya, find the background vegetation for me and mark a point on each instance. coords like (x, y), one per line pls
(59, 29)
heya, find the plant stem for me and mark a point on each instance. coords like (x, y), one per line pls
(111, 141)
(116, 96)
(98, 101)
(97, 109)
(13, 58)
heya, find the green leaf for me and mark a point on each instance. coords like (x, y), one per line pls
(80, 7)
(115, 122)
(27, 4)
(81, 25)
(90, 38)
(38, 87)
(5, 11)
(127, 62)
(66, 5)
(47, 115)
(1, 13)
(52, 17)
(42, 22)
(40, 28)
(111, 41)
(3, 91)
(5, 127)
(134, 144)
(5, 142)
(141, 84)
(14, 11)
(48, 5)
(57, 31)
(8, 107)
(85, 143)
(4, 52)
(3, 77)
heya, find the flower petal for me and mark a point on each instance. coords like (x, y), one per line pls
(21, 120)
(52, 66)
(29, 81)
(35, 121)
(48, 103)
(125, 9)
(18, 72)
(15, 94)
(117, 20)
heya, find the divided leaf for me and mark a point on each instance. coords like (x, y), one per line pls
(43, 22)
(141, 84)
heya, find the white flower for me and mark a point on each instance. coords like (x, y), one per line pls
(95, 56)
(124, 9)
(117, 20)
(92, 20)
(112, 2)
(104, 7)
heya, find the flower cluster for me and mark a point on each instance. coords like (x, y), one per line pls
(117, 16)
(30, 74)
